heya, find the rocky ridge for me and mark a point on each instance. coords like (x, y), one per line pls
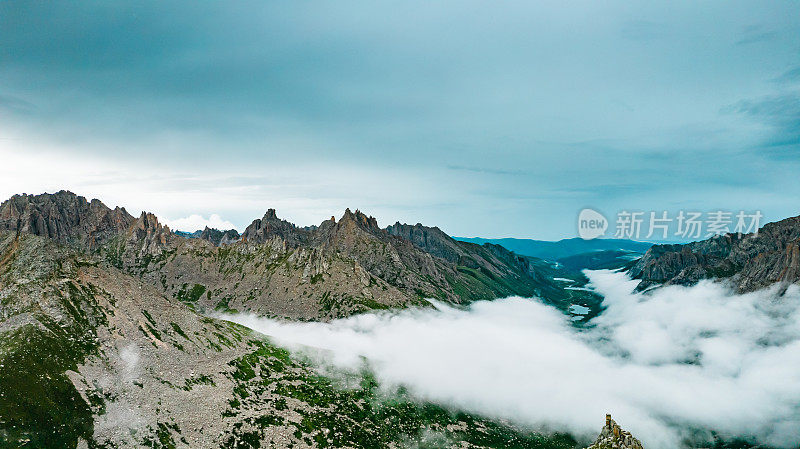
(750, 262)
(220, 238)
(278, 269)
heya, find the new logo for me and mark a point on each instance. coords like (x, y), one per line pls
(591, 224)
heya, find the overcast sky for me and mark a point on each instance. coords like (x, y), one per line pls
(485, 118)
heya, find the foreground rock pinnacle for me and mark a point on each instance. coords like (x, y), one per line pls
(614, 437)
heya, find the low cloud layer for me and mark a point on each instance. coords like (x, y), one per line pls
(665, 364)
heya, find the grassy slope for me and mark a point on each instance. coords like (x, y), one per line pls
(40, 406)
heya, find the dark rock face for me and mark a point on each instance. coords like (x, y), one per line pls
(219, 238)
(750, 261)
(432, 240)
(64, 217)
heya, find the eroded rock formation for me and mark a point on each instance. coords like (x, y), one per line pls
(614, 437)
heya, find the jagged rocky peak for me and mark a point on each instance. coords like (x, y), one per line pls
(353, 229)
(64, 217)
(147, 221)
(270, 226)
(367, 222)
(614, 437)
(147, 229)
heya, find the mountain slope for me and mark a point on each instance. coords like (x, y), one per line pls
(94, 357)
(749, 261)
(598, 260)
(100, 348)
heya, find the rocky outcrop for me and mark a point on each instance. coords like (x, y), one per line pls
(147, 229)
(750, 261)
(64, 217)
(614, 437)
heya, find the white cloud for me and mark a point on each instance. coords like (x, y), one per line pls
(662, 363)
(195, 221)
(303, 194)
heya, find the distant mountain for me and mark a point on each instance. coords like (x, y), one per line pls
(563, 248)
(749, 261)
(598, 260)
(212, 235)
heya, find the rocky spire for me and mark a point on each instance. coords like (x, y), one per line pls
(148, 230)
(614, 437)
(367, 222)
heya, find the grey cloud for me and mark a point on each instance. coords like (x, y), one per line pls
(756, 37)
(16, 105)
(782, 114)
(515, 105)
(790, 76)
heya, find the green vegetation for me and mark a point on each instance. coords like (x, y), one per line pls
(190, 294)
(223, 305)
(362, 417)
(39, 405)
(203, 379)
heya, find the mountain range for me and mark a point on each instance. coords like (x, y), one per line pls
(105, 339)
(275, 268)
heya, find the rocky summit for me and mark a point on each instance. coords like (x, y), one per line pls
(105, 340)
(614, 437)
(748, 261)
